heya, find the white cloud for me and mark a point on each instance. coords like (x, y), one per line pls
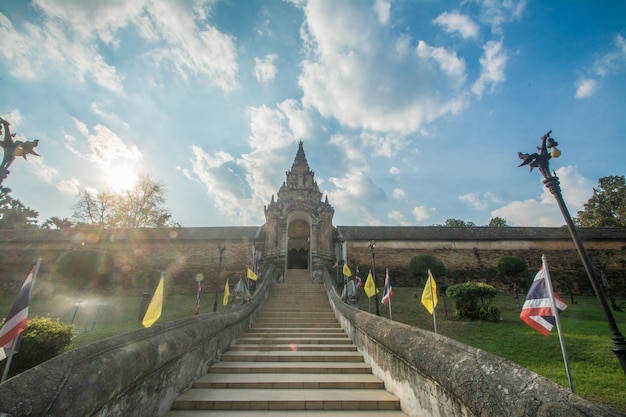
(422, 213)
(394, 171)
(498, 12)
(225, 183)
(395, 215)
(457, 22)
(265, 69)
(105, 146)
(398, 193)
(447, 61)
(70, 187)
(354, 195)
(43, 171)
(68, 40)
(341, 78)
(382, 7)
(384, 145)
(492, 64)
(544, 212)
(586, 87)
(479, 201)
(605, 64)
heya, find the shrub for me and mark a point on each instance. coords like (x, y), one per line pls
(420, 264)
(42, 339)
(473, 301)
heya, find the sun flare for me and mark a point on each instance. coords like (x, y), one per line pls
(121, 178)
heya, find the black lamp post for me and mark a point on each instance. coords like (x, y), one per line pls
(340, 262)
(372, 247)
(221, 249)
(551, 182)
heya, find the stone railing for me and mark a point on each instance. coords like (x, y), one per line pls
(137, 374)
(434, 375)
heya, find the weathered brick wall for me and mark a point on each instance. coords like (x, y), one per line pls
(467, 253)
(473, 253)
(182, 253)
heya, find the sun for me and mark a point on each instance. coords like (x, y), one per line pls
(120, 178)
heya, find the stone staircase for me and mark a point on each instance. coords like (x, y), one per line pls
(295, 361)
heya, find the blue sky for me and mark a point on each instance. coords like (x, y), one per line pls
(411, 112)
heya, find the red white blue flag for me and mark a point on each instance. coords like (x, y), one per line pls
(359, 280)
(537, 309)
(388, 292)
(18, 315)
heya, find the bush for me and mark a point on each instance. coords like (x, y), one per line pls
(420, 264)
(42, 339)
(473, 301)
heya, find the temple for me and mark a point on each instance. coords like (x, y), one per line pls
(298, 224)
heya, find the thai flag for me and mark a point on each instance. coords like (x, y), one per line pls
(537, 309)
(359, 281)
(388, 292)
(18, 315)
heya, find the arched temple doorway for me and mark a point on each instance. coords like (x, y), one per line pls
(298, 247)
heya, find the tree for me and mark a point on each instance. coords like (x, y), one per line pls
(473, 301)
(510, 267)
(43, 339)
(497, 222)
(57, 223)
(96, 208)
(142, 206)
(458, 223)
(14, 214)
(607, 205)
(139, 206)
(420, 264)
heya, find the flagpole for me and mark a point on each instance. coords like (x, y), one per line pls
(7, 365)
(555, 312)
(390, 316)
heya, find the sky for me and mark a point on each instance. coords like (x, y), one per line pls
(411, 112)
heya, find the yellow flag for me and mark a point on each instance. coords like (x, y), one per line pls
(429, 296)
(156, 305)
(370, 287)
(346, 270)
(251, 275)
(226, 294)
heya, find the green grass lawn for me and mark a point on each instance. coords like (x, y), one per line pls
(596, 373)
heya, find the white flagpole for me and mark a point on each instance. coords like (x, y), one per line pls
(555, 312)
(390, 316)
(7, 365)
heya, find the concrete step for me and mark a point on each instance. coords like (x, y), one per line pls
(295, 361)
(291, 381)
(289, 413)
(286, 399)
(304, 347)
(290, 356)
(291, 367)
(336, 339)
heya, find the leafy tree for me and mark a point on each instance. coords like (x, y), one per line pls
(43, 339)
(473, 301)
(511, 267)
(607, 206)
(497, 222)
(139, 206)
(458, 223)
(142, 206)
(96, 208)
(57, 223)
(14, 214)
(420, 264)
